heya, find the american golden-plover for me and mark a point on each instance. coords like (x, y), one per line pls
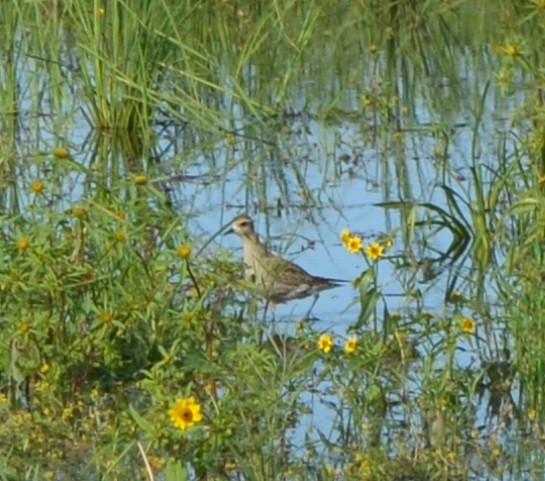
(278, 280)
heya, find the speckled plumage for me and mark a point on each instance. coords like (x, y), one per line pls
(278, 279)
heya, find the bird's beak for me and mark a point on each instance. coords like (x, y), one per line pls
(230, 231)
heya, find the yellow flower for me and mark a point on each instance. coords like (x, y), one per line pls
(61, 153)
(532, 414)
(45, 368)
(184, 251)
(67, 413)
(395, 316)
(106, 317)
(363, 465)
(120, 236)
(503, 78)
(141, 180)
(351, 345)
(185, 413)
(354, 244)
(468, 325)
(388, 242)
(374, 251)
(373, 48)
(345, 236)
(102, 11)
(23, 244)
(79, 212)
(457, 296)
(211, 387)
(325, 343)
(511, 49)
(157, 461)
(24, 327)
(37, 186)
(95, 395)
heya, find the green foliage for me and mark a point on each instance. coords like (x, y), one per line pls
(113, 313)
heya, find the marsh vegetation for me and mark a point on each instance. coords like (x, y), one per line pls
(397, 143)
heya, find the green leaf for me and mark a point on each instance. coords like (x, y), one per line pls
(145, 425)
(368, 298)
(368, 302)
(175, 471)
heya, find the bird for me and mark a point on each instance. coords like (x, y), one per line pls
(277, 279)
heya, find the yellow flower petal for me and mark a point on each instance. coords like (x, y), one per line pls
(351, 345)
(374, 251)
(325, 343)
(185, 413)
(354, 244)
(468, 325)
